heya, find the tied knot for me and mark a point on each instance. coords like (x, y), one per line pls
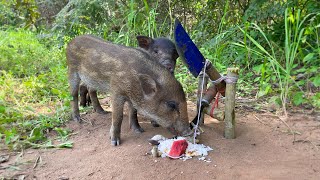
(227, 79)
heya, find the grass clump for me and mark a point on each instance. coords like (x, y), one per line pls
(34, 96)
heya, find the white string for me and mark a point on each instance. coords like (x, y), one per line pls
(227, 79)
(200, 102)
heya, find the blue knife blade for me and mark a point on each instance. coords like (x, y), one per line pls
(187, 50)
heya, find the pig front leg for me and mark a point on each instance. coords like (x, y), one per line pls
(133, 119)
(95, 102)
(154, 123)
(117, 116)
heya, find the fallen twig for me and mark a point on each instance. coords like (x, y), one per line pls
(246, 100)
(87, 121)
(36, 162)
(302, 141)
(258, 119)
(307, 141)
(291, 131)
(10, 166)
(4, 158)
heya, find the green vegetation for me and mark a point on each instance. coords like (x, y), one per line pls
(275, 44)
(34, 92)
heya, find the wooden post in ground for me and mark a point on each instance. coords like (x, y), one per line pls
(229, 129)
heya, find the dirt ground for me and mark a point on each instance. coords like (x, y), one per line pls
(263, 149)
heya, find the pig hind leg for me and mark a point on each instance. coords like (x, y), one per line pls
(88, 99)
(95, 102)
(84, 101)
(74, 81)
(133, 119)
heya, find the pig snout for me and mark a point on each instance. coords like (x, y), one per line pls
(180, 130)
(169, 66)
(187, 132)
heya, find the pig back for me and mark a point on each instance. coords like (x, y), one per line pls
(96, 54)
(100, 63)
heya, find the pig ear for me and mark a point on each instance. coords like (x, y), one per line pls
(148, 85)
(144, 42)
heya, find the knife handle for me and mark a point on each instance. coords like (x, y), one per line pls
(209, 95)
(213, 74)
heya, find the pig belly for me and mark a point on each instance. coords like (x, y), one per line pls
(96, 84)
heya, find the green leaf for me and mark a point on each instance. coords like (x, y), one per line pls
(257, 68)
(55, 91)
(275, 100)
(67, 144)
(308, 57)
(62, 132)
(316, 100)
(303, 69)
(291, 18)
(2, 109)
(256, 79)
(298, 98)
(316, 81)
(10, 135)
(36, 135)
(264, 91)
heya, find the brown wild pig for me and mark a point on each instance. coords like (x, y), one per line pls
(131, 75)
(160, 49)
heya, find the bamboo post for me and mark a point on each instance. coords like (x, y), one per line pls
(229, 130)
(203, 87)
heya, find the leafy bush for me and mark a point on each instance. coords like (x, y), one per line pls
(23, 55)
(23, 14)
(34, 90)
(281, 69)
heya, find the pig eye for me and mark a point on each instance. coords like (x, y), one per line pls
(172, 105)
(156, 51)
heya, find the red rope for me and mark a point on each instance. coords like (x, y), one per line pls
(216, 103)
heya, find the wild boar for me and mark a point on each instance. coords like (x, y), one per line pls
(160, 49)
(130, 75)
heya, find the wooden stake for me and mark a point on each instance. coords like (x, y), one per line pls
(229, 129)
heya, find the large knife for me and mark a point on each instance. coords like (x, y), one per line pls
(192, 57)
(194, 60)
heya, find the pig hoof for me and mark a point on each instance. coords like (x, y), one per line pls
(77, 119)
(138, 130)
(100, 110)
(115, 142)
(154, 124)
